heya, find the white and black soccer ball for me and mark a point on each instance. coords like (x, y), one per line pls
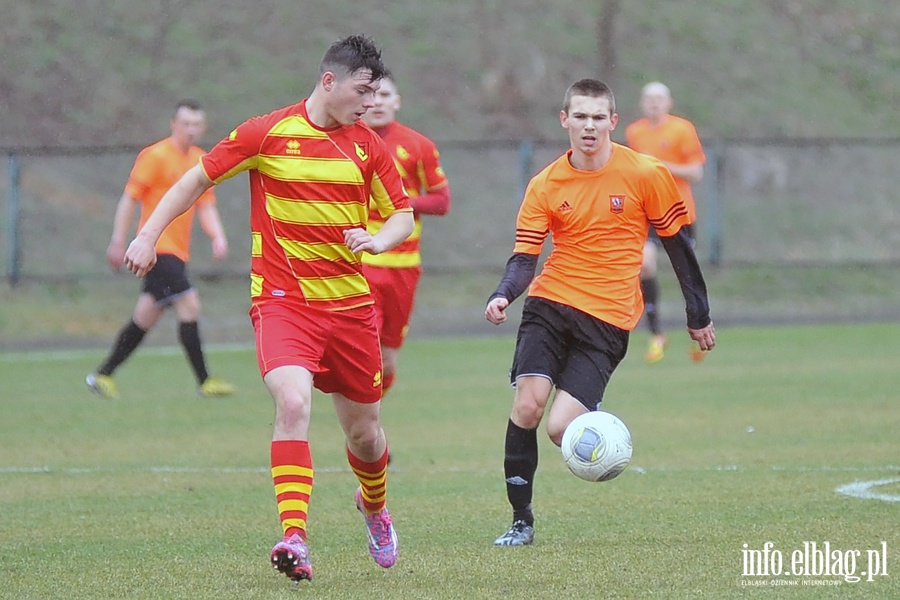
(596, 446)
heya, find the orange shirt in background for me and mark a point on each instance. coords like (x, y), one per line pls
(155, 170)
(673, 140)
(599, 222)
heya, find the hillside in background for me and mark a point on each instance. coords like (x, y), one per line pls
(108, 71)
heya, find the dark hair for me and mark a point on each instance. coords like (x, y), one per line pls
(592, 88)
(187, 103)
(351, 54)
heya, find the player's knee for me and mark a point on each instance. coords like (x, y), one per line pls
(527, 414)
(363, 434)
(291, 409)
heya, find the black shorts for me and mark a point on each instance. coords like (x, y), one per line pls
(575, 351)
(653, 236)
(167, 280)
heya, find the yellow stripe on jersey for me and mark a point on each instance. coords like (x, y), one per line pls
(255, 243)
(380, 199)
(307, 169)
(256, 285)
(296, 126)
(244, 165)
(312, 251)
(334, 288)
(395, 258)
(311, 212)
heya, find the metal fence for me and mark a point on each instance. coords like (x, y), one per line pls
(767, 202)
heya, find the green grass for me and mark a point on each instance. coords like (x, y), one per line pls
(165, 495)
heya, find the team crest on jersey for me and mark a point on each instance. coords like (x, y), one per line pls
(616, 204)
(402, 153)
(362, 150)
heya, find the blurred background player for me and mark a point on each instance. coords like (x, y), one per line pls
(156, 168)
(394, 275)
(675, 142)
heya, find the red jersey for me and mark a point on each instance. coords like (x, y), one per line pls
(155, 170)
(308, 185)
(672, 140)
(599, 222)
(419, 163)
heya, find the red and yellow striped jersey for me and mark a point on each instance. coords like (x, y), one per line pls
(308, 185)
(156, 169)
(673, 140)
(599, 222)
(419, 163)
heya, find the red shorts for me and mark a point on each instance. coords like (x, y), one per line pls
(394, 291)
(340, 348)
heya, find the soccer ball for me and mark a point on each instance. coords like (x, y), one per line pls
(596, 446)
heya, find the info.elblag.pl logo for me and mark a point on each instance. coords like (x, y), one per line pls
(813, 563)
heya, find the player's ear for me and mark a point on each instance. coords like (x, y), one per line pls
(613, 121)
(328, 80)
(564, 119)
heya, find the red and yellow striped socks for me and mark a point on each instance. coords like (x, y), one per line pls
(372, 480)
(292, 474)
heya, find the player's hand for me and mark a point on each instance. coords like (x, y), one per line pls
(140, 256)
(115, 254)
(705, 338)
(495, 312)
(220, 248)
(360, 240)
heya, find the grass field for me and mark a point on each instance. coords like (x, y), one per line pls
(165, 495)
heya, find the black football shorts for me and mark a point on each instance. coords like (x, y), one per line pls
(167, 280)
(575, 351)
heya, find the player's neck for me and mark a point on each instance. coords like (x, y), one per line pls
(593, 161)
(318, 113)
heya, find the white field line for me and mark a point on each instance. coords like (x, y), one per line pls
(857, 489)
(45, 469)
(863, 489)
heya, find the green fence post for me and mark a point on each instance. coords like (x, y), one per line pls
(713, 218)
(526, 164)
(12, 222)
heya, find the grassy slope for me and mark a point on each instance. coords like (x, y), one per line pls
(100, 72)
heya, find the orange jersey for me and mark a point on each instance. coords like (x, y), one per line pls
(308, 185)
(419, 163)
(599, 222)
(155, 170)
(674, 140)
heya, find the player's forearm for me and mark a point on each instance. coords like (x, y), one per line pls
(210, 222)
(434, 203)
(122, 219)
(516, 278)
(690, 278)
(178, 199)
(692, 172)
(396, 228)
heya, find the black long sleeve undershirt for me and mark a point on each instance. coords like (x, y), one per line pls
(690, 278)
(519, 272)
